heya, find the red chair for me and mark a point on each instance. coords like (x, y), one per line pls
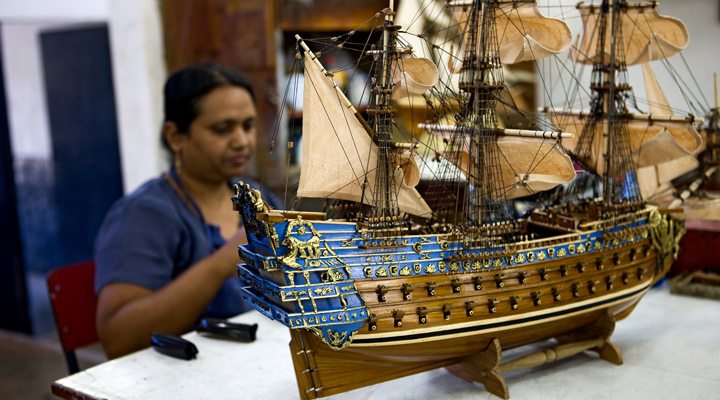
(72, 295)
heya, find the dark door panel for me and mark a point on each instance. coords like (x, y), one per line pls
(86, 160)
(14, 314)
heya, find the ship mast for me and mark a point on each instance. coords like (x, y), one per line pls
(384, 215)
(609, 106)
(620, 187)
(712, 130)
(481, 81)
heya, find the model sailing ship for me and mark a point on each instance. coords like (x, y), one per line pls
(389, 286)
(673, 170)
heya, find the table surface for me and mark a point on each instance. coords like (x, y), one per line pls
(669, 344)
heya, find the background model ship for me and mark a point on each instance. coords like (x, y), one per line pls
(385, 283)
(677, 154)
(698, 192)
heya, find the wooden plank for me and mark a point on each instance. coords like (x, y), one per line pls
(322, 15)
(236, 33)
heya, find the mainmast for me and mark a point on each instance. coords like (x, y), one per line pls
(613, 118)
(482, 81)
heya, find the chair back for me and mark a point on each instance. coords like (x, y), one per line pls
(72, 296)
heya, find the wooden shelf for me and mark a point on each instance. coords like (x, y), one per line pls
(322, 15)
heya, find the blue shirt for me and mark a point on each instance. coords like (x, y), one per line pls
(154, 234)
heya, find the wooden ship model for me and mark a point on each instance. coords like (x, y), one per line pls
(381, 285)
(677, 155)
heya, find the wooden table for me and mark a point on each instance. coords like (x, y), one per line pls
(670, 346)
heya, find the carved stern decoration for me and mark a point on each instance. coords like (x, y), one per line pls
(313, 284)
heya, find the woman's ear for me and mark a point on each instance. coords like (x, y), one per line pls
(172, 136)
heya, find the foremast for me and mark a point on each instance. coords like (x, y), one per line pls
(348, 159)
(383, 218)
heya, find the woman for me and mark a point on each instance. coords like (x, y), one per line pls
(166, 254)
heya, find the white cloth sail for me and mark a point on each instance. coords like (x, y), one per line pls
(653, 139)
(407, 163)
(657, 102)
(531, 165)
(523, 33)
(338, 156)
(646, 35)
(413, 76)
(655, 179)
(530, 161)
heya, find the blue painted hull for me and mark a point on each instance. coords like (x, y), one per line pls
(324, 276)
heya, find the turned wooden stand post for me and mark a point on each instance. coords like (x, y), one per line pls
(485, 367)
(304, 366)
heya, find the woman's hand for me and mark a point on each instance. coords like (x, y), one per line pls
(228, 256)
(127, 313)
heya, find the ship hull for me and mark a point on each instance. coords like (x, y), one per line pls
(364, 311)
(371, 359)
(323, 372)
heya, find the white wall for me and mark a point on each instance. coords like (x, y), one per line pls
(22, 21)
(49, 10)
(25, 91)
(138, 73)
(702, 18)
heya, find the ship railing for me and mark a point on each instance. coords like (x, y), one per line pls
(259, 261)
(615, 221)
(551, 224)
(547, 242)
(282, 215)
(265, 307)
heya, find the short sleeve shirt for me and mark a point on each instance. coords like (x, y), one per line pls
(154, 234)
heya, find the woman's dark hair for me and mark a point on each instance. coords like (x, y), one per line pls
(186, 87)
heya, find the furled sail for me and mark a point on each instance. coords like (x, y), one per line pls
(531, 161)
(338, 156)
(523, 33)
(646, 35)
